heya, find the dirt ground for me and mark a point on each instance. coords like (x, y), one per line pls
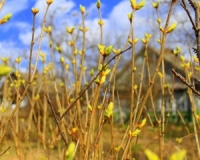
(148, 138)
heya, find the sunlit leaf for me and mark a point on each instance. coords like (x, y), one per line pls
(134, 133)
(172, 27)
(179, 140)
(179, 155)
(151, 155)
(108, 50)
(70, 151)
(140, 125)
(109, 110)
(5, 70)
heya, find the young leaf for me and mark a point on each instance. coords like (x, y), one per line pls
(140, 125)
(108, 50)
(5, 70)
(109, 110)
(134, 133)
(141, 4)
(172, 27)
(179, 155)
(89, 107)
(102, 80)
(70, 151)
(151, 155)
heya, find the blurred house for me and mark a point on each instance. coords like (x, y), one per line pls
(35, 96)
(181, 100)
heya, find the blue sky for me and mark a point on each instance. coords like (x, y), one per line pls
(16, 34)
(21, 20)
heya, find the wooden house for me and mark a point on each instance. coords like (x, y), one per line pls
(181, 100)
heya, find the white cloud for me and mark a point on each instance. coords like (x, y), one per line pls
(14, 6)
(57, 8)
(118, 16)
(25, 37)
(23, 26)
(9, 49)
(66, 14)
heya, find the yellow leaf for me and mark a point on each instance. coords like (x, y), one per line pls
(74, 130)
(103, 79)
(7, 17)
(100, 22)
(109, 110)
(70, 30)
(5, 70)
(159, 20)
(98, 4)
(140, 4)
(140, 125)
(59, 49)
(179, 140)
(108, 50)
(179, 155)
(130, 16)
(49, 2)
(144, 40)
(172, 27)
(116, 51)
(158, 40)
(136, 40)
(89, 107)
(161, 29)
(135, 87)
(151, 155)
(82, 9)
(135, 133)
(35, 10)
(160, 74)
(70, 151)
(182, 58)
(101, 49)
(155, 5)
(196, 59)
(133, 3)
(117, 148)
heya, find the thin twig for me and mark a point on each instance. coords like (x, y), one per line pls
(57, 121)
(5, 151)
(158, 63)
(195, 6)
(186, 83)
(82, 93)
(31, 47)
(1, 4)
(188, 13)
(28, 84)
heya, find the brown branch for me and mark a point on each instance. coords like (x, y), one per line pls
(195, 6)
(1, 4)
(186, 83)
(31, 47)
(82, 93)
(193, 3)
(5, 151)
(57, 121)
(188, 13)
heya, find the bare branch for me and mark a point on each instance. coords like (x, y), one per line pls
(82, 93)
(188, 13)
(186, 83)
(55, 117)
(5, 151)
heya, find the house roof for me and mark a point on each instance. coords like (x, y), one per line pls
(123, 77)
